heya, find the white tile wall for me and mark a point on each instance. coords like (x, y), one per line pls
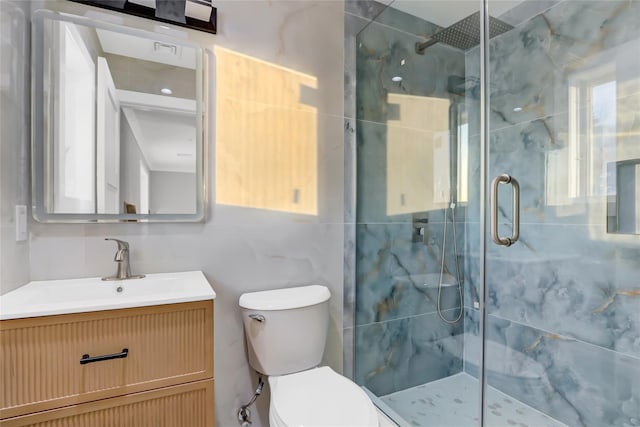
(14, 139)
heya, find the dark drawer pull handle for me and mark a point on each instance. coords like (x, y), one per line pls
(88, 359)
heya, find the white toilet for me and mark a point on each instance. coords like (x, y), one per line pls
(286, 330)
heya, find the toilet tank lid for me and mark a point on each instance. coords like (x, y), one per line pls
(285, 299)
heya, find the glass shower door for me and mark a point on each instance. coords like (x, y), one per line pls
(562, 321)
(417, 240)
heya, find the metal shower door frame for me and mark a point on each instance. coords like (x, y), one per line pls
(484, 157)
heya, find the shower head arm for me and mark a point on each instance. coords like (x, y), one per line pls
(421, 47)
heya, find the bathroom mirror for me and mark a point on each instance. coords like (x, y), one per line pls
(117, 123)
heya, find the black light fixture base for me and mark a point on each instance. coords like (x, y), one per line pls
(162, 13)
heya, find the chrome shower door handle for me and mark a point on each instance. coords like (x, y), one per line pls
(515, 187)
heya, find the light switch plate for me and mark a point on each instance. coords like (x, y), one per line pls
(21, 223)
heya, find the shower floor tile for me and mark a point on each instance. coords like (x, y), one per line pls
(453, 402)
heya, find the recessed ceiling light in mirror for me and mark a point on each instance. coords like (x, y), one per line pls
(396, 79)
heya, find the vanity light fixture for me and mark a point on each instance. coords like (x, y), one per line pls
(195, 14)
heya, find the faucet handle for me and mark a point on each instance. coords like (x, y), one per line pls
(122, 258)
(121, 243)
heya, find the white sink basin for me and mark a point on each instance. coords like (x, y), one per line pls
(44, 298)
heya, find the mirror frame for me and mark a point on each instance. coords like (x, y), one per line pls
(38, 131)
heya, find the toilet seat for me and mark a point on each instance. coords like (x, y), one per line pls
(319, 397)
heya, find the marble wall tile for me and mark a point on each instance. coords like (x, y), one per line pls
(628, 122)
(473, 205)
(383, 53)
(472, 348)
(576, 383)
(555, 270)
(349, 252)
(374, 168)
(563, 323)
(352, 26)
(580, 270)
(14, 140)
(367, 9)
(371, 187)
(565, 261)
(524, 11)
(350, 171)
(349, 274)
(348, 352)
(531, 66)
(405, 22)
(399, 278)
(402, 353)
(525, 151)
(471, 268)
(570, 380)
(303, 36)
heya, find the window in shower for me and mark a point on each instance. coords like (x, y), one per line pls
(580, 158)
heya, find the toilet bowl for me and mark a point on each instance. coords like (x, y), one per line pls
(286, 331)
(319, 397)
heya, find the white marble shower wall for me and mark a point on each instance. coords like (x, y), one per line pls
(239, 248)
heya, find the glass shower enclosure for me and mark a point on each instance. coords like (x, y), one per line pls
(497, 225)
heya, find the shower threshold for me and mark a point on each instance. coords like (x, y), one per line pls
(453, 402)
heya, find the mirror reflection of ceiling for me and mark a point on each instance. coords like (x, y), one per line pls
(133, 74)
(166, 138)
(147, 49)
(446, 13)
(133, 59)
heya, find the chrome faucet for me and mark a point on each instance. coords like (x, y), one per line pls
(122, 258)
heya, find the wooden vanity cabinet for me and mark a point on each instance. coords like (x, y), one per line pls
(133, 367)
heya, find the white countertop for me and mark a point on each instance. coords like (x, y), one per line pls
(50, 297)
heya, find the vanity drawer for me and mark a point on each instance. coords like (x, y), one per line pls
(40, 357)
(186, 405)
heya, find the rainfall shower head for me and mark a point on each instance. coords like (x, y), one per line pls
(465, 33)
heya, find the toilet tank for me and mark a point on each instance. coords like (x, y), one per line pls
(286, 329)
